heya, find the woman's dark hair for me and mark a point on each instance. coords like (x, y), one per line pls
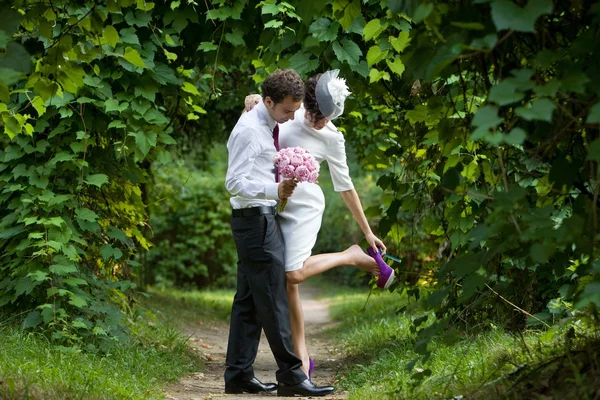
(310, 97)
(281, 84)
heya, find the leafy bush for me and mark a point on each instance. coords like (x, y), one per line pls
(189, 216)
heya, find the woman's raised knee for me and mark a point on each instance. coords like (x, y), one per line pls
(294, 277)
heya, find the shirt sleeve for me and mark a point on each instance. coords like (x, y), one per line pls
(338, 166)
(244, 147)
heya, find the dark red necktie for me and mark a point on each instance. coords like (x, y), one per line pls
(276, 143)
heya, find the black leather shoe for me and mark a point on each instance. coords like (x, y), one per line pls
(304, 388)
(251, 386)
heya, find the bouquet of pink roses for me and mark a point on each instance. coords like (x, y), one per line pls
(296, 163)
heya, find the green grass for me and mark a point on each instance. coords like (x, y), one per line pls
(180, 307)
(378, 346)
(32, 368)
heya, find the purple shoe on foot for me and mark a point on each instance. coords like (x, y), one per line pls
(311, 367)
(387, 275)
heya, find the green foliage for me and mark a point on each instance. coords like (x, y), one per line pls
(190, 215)
(486, 142)
(480, 118)
(378, 337)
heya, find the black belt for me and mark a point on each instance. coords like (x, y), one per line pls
(252, 211)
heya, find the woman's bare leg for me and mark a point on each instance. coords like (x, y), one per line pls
(297, 325)
(320, 263)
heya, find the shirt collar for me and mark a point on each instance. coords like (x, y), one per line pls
(264, 116)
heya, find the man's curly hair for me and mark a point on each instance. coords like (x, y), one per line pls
(281, 84)
(310, 97)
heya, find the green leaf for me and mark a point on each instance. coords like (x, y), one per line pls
(485, 118)
(594, 115)
(145, 141)
(350, 10)
(155, 117)
(396, 66)
(271, 9)
(188, 87)
(85, 214)
(113, 105)
(117, 124)
(61, 157)
(76, 282)
(324, 30)
(129, 36)
(96, 179)
(39, 105)
(147, 90)
(139, 18)
(274, 23)
(108, 251)
(140, 106)
(4, 39)
(401, 42)
(540, 109)
(575, 81)
(549, 89)
(347, 51)
(376, 75)
(373, 29)
(516, 136)
(505, 93)
(134, 57)
(207, 46)
(10, 232)
(468, 25)
(39, 276)
(78, 301)
(507, 15)
(538, 253)
(62, 269)
(164, 74)
(302, 63)
(32, 320)
(422, 12)
(110, 36)
(375, 55)
(235, 37)
(594, 151)
(470, 286)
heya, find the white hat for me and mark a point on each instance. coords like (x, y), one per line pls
(331, 92)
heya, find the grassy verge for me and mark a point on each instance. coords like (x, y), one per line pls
(32, 368)
(379, 346)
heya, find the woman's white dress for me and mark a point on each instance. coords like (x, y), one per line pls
(301, 220)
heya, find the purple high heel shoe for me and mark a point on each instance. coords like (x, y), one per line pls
(311, 367)
(387, 274)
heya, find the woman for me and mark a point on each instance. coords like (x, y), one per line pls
(301, 220)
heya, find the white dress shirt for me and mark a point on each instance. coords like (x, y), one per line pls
(250, 175)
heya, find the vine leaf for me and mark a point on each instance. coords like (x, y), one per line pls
(594, 115)
(134, 57)
(507, 15)
(347, 51)
(324, 30)
(540, 109)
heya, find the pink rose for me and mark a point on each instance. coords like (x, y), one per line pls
(296, 160)
(314, 175)
(284, 162)
(287, 171)
(302, 173)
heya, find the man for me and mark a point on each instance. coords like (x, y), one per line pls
(261, 299)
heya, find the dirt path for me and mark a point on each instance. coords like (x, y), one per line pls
(211, 342)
